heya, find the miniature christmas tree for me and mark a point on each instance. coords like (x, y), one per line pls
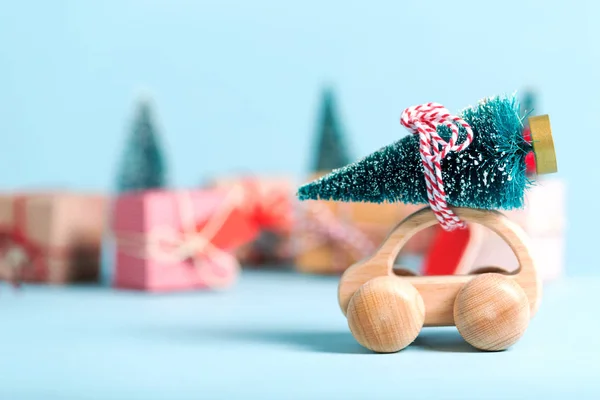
(490, 173)
(331, 152)
(142, 166)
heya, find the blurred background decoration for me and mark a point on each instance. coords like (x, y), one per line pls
(232, 86)
(330, 150)
(143, 165)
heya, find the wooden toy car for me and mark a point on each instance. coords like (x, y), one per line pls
(491, 310)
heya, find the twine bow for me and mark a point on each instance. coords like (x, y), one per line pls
(423, 120)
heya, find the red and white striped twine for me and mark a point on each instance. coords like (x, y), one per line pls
(423, 120)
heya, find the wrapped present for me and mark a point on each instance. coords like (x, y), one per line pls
(270, 202)
(51, 237)
(331, 236)
(180, 240)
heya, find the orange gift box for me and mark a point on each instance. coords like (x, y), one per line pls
(51, 237)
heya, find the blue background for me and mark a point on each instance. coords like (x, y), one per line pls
(237, 84)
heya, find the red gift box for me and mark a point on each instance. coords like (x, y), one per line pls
(270, 204)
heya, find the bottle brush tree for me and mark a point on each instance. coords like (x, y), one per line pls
(489, 174)
(330, 149)
(142, 166)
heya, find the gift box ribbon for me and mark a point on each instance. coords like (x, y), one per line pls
(165, 243)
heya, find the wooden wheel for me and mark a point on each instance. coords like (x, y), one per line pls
(386, 314)
(491, 312)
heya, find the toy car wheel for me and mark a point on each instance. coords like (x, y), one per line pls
(491, 312)
(386, 314)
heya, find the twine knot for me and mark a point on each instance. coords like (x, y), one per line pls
(424, 120)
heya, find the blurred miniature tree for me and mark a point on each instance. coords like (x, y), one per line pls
(143, 166)
(331, 151)
(528, 106)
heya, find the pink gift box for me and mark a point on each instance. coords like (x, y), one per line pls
(179, 240)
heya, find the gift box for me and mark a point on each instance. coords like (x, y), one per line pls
(270, 201)
(51, 237)
(180, 240)
(331, 236)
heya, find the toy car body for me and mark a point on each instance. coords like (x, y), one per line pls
(491, 310)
